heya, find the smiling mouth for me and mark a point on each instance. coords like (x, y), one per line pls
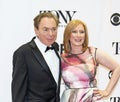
(78, 40)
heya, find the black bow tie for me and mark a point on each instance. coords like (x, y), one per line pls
(49, 48)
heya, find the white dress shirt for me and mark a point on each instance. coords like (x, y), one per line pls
(51, 59)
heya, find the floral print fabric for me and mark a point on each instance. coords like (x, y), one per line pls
(78, 73)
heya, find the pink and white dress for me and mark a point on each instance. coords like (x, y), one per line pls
(78, 73)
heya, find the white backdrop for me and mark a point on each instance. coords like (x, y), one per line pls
(16, 28)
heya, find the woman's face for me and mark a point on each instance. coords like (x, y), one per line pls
(77, 36)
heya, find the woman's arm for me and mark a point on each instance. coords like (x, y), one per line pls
(107, 61)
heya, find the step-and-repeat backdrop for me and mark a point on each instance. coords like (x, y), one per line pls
(16, 28)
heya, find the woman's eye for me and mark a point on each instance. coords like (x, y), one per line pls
(82, 31)
(74, 31)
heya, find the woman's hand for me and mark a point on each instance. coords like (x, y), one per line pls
(100, 93)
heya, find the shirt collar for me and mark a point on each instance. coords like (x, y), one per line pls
(40, 45)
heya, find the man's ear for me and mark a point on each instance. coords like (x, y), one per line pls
(36, 31)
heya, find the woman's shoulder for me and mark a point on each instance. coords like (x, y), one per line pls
(92, 49)
(64, 54)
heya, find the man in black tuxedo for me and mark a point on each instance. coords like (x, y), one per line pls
(36, 70)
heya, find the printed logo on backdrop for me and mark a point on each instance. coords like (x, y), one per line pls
(109, 74)
(116, 46)
(115, 19)
(114, 99)
(64, 16)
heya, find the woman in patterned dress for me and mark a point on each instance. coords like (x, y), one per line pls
(79, 65)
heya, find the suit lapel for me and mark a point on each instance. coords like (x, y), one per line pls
(42, 61)
(39, 56)
(56, 49)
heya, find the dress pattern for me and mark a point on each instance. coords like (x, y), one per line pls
(78, 73)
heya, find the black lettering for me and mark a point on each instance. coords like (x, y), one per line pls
(114, 99)
(117, 47)
(68, 16)
(64, 17)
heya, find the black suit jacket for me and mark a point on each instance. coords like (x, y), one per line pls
(32, 79)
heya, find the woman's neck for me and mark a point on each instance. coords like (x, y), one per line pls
(77, 50)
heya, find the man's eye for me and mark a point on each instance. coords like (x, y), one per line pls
(45, 29)
(54, 29)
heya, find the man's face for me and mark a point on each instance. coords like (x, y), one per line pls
(47, 31)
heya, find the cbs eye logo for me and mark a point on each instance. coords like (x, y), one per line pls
(115, 19)
(109, 74)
